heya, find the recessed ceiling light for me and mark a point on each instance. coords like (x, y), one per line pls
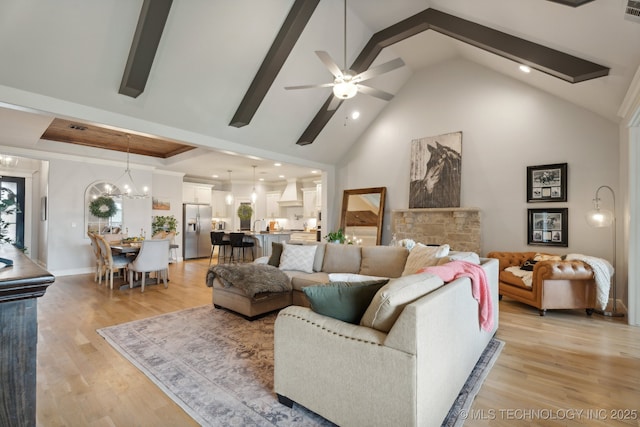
(277, 164)
(355, 115)
(280, 176)
(314, 171)
(260, 179)
(214, 176)
(525, 69)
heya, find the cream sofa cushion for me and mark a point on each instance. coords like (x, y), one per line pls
(341, 258)
(391, 299)
(385, 261)
(424, 256)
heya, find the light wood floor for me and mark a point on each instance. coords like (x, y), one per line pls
(558, 365)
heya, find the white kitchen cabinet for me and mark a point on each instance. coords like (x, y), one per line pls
(219, 204)
(309, 206)
(196, 193)
(273, 207)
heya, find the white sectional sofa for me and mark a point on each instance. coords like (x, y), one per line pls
(408, 375)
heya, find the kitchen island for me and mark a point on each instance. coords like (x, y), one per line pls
(263, 240)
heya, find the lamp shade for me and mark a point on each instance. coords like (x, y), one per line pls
(599, 218)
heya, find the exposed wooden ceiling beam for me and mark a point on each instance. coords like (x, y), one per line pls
(278, 53)
(550, 61)
(146, 39)
(574, 3)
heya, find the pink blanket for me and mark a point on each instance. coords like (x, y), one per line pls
(479, 285)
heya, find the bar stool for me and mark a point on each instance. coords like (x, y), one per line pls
(238, 242)
(217, 239)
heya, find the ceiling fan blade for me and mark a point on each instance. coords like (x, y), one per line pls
(380, 69)
(335, 103)
(367, 90)
(329, 63)
(309, 86)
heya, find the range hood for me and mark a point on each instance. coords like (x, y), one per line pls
(291, 196)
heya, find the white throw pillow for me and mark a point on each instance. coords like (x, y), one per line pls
(460, 256)
(424, 256)
(298, 257)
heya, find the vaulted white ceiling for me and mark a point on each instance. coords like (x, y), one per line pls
(66, 59)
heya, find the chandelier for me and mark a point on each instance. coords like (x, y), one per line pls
(125, 186)
(7, 161)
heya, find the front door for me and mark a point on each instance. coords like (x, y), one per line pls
(12, 216)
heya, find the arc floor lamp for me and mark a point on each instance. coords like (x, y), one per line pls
(604, 218)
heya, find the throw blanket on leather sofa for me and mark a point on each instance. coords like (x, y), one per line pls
(251, 278)
(602, 272)
(479, 286)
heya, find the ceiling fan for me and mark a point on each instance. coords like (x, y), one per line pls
(347, 83)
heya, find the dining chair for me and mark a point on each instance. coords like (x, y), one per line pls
(173, 248)
(110, 263)
(237, 242)
(96, 252)
(153, 256)
(217, 239)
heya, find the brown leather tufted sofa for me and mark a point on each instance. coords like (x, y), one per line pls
(555, 284)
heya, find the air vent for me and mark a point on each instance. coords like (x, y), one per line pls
(77, 127)
(632, 11)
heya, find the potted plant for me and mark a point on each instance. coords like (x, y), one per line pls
(164, 223)
(245, 211)
(335, 236)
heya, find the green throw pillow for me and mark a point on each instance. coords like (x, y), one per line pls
(276, 253)
(346, 301)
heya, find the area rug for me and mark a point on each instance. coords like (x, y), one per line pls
(218, 367)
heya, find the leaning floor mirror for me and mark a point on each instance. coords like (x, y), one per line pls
(362, 215)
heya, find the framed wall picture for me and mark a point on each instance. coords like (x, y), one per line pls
(547, 183)
(160, 204)
(548, 227)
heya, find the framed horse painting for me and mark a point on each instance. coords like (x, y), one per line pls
(435, 171)
(547, 183)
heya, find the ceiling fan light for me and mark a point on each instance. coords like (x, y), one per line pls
(345, 90)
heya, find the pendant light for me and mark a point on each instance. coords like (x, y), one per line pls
(229, 197)
(254, 195)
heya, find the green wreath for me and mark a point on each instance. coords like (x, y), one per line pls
(244, 212)
(103, 207)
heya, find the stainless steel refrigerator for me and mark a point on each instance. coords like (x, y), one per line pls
(197, 230)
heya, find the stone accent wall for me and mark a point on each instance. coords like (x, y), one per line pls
(459, 227)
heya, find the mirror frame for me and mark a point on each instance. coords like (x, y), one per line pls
(361, 191)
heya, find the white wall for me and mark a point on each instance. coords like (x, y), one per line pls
(68, 246)
(168, 186)
(506, 127)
